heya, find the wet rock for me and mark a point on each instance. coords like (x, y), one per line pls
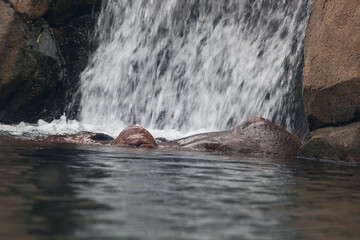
(75, 47)
(331, 85)
(257, 136)
(34, 88)
(60, 11)
(334, 143)
(135, 136)
(81, 138)
(41, 59)
(32, 9)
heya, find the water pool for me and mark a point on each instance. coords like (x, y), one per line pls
(64, 191)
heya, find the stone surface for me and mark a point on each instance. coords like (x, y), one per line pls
(135, 136)
(331, 84)
(60, 11)
(32, 9)
(334, 143)
(41, 59)
(35, 86)
(11, 40)
(75, 47)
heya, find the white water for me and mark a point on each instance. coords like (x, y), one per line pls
(183, 67)
(187, 65)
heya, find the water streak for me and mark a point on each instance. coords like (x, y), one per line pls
(195, 64)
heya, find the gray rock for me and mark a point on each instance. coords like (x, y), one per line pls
(334, 143)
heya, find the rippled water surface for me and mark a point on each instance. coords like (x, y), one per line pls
(101, 192)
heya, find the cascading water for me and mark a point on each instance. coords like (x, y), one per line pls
(194, 64)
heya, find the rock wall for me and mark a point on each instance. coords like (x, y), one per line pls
(44, 45)
(331, 80)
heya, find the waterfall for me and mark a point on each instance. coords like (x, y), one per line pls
(191, 64)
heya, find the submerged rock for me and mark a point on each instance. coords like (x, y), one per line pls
(135, 136)
(82, 137)
(257, 136)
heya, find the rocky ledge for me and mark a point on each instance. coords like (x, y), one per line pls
(331, 80)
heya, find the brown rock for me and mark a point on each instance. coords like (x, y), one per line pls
(331, 84)
(135, 136)
(334, 143)
(31, 8)
(11, 40)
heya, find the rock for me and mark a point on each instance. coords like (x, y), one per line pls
(334, 143)
(135, 136)
(81, 137)
(75, 47)
(60, 11)
(32, 9)
(331, 84)
(257, 136)
(11, 41)
(41, 59)
(34, 86)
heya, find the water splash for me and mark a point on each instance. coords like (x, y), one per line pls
(194, 64)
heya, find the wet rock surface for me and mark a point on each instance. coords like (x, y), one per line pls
(258, 137)
(44, 46)
(35, 86)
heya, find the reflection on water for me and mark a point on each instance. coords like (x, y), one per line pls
(82, 192)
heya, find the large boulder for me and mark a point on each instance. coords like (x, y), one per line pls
(334, 143)
(331, 80)
(331, 83)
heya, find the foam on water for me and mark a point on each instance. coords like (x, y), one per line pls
(66, 126)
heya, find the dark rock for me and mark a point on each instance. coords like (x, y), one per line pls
(60, 11)
(75, 46)
(35, 87)
(41, 60)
